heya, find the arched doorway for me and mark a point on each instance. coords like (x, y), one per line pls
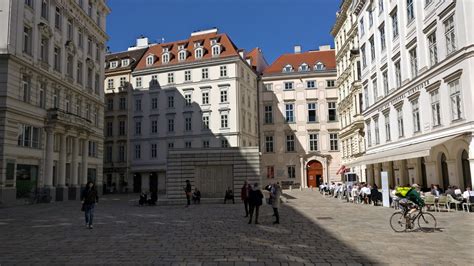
(466, 170)
(314, 173)
(444, 172)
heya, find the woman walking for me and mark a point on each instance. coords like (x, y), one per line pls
(255, 201)
(89, 198)
(275, 194)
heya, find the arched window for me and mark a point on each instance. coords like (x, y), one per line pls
(288, 68)
(216, 50)
(319, 66)
(150, 60)
(198, 53)
(182, 55)
(303, 67)
(166, 58)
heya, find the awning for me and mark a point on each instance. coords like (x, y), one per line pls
(416, 150)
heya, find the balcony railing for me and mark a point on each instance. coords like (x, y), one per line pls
(56, 115)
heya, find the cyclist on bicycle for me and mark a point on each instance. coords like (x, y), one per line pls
(410, 200)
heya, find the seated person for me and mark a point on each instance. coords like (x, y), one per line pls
(196, 196)
(468, 194)
(143, 198)
(229, 195)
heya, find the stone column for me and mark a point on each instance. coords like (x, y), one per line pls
(85, 153)
(471, 159)
(431, 173)
(302, 167)
(49, 163)
(74, 187)
(453, 175)
(326, 170)
(61, 190)
(370, 174)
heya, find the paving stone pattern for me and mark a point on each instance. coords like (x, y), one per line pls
(313, 230)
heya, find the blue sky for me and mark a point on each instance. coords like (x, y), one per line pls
(273, 25)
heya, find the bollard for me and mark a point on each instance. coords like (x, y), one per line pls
(291, 187)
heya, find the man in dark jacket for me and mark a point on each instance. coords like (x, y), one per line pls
(187, 190)
(255, 201)
(244, 196)
(89, 198)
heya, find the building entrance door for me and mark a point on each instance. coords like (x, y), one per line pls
(314, 173)
(153, 182)
(137, 183)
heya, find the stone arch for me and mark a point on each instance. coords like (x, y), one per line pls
(458, 147)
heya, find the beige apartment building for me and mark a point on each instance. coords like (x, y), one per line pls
(51, 71)
(299, 122)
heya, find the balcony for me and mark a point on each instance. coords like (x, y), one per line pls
(58, 116)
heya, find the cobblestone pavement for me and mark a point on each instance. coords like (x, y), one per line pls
(313, 230)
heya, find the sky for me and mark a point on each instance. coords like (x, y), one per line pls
(273, 25)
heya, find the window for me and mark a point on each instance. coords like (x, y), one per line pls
(188, 99)
(319, 66)
(377, 131)
(27, 40)
(138, 104)
(108, 154)
(223, 96)
(205, 73)
(89, 77)
(330, 83)
(333, 142)
(122, 103)
(170, 101)
(166, 58)
(205, 98)
(380, 6)
(154, 80)
(138, 153)
(89, 9)
(170, 78)
(224, 121)
(289, 85)
(110, 104)
(170, 125)
(428, 2)
(312, 111)
(290, 143)
(98, 16)
(97, 82)
(44, 47)
(79, 73)
(205, 122)
(269, 86)
(371, 17)
(291, 171)
(149, 60)
(372, 48)
(29, 136)
(435, 108)
(45, 9)
(456, 100)
(413, 63)
(361, 26)
(268, 114)
(382, 37)
(450, 35)
(170, 145)
(122, 128)
(29, 3)
(270, 172)
(121, 153)
(332, 113)
(93, 148)
(410, 11)
(57, 18)
(69, 67)
(369, 134)
(56, 101)
(386, 90)
(375, 90)
(224, 143)
(398, 74)
(268, 143)
(287, 68)
(113, 64)
(42, 96)
(223, 71)
(138, 82)
(290, 112)
(182, 55)
(154, 103)
(26, 86)
(198, 53)
(154, 150)
(187, 75)
(125, 62)
(433, 49)
(313, 142)
(187, 123)
(205, 144)
(364, 56)
(310, 84)
(415, 108)
(123, 80)
(110, 126)
(216, 50)
(394, 17)
(89, 46)
(387, 127)
(80, 39)
(303, 67)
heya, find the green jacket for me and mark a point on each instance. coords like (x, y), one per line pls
(414, 196)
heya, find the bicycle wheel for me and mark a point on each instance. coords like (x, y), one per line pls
(398, 222)
(427, 222)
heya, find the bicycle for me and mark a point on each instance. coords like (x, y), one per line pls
(426, 221)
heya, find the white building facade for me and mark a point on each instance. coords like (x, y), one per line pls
(299, 125)
(52, 57)
(350, 104)
(417, 84)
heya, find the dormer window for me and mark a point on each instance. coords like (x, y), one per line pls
(319, 66)
(214, 41)
(150, 60)
(125, 62)
(288, 68)
(304, 67)
(198, 53)
(113, 64)
(197, 44)
(181, 47)
(165, 49)
(182, 55)
(166, 58)
(216, 50)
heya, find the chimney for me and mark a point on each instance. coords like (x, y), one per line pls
(142, 42)
(324, 47)
(297, 49)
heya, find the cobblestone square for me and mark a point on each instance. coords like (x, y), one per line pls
(313, 230)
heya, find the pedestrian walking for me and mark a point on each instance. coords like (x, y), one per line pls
(244, 196)
(89, 199)
(187, 190)
(275, 195)
(255, 201)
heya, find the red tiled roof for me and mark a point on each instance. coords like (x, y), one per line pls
(253, 56)
(328, 58)
(228, 48)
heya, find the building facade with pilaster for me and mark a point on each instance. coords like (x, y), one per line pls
(417, 60)
(52, 57)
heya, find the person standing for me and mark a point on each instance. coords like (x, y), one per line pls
(244, 196)
(89, 198)
(255, 201)
(187, 190)
(276, 194)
